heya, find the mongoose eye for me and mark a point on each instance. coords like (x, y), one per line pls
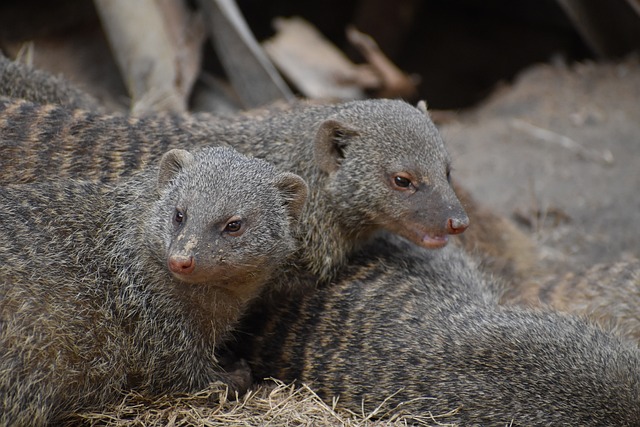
(178, 217)
(234, 227)
(402, 181)
(449, 175)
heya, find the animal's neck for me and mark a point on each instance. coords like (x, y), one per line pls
(326, 242)
(214, 310)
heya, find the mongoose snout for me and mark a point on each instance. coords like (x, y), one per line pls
(457, 225)
(181, 265)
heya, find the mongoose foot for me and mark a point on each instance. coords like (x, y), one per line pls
(238, 377)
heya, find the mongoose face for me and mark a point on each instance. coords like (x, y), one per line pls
(229, 236)
(391, 171)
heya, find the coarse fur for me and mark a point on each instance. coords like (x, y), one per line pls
(431, 337)
(503, 248)
(54, 141)
(606, 293)
(18, 80)
(376, 164)
(133, 286)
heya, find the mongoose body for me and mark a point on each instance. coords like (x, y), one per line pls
(431, 337)
(369, 164)
(133, 286)
(606, 293)
(21, 81)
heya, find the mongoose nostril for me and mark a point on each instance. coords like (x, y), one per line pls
(456, 225)
(182, 264)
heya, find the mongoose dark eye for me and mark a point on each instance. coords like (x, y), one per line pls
(178, 217)
(234, 227)
(402, 181)
(449, 176)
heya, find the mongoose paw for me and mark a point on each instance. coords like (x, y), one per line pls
(238, 376)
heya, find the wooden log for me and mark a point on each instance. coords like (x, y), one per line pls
(316, 67)
(157, 45)
(252, 75)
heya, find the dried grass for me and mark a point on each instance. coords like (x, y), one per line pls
(272, 404)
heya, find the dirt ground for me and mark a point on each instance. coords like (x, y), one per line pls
(559, 151)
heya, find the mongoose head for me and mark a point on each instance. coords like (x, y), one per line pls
(388, 168)
(224, 219)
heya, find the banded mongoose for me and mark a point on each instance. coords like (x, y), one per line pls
(21, 81)
(133, 286)
(504, 249)
(606, 293)
(430, 337)
(369, 164)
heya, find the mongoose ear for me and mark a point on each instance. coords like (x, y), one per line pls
(172, 162)
(422, 106)
(331, 140)
(294, 191)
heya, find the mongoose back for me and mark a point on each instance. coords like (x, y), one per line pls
(107, 288)
(430, 337)
(369, 164)
(21, 81)
(606, 293)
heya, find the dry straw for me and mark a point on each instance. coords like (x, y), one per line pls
(273, 404)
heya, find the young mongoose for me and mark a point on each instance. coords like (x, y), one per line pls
(423, 330)
(133, 286)
(370, 165)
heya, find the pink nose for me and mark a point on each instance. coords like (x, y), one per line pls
(181, 264)
(457, 226)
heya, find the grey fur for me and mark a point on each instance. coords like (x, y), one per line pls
(104, 288)
(348, 153)
(606, 293)
(21, 81)
(424, 330)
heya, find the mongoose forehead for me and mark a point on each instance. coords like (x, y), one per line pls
(398, 131)
(229, 180)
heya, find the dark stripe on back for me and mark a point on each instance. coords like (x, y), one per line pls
(137, 144)
(274, 351)
(18, 122)
(51, 137)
